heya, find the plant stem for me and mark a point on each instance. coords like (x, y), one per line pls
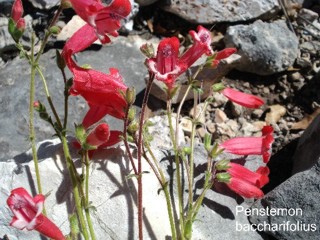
(47, 34)
(139, 154)
(125, 140)
(44, 81)
(75, 190)
(164, 185)
(178, 173)
(32, 133)
(87, 202)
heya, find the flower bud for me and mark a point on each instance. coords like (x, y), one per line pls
(147, 50)
(222, 165)
(66, 4)
(55, 30)
(218, 87)
(130, 95)
(133, 127)
(99, 135)
(17, 10)
(61, 63)
(223, 177)
(131, 114)
(21, 25)
(207, 141)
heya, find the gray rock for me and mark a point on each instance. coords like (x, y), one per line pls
(265, 48)
(296, 207)
(306, 15)
(296, 201)
(5, 7)
(123, 53)
(7, 44)
(114, 196)
(215, 11)
(44, 4)
(307, 152)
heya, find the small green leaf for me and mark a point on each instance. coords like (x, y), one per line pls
(81, 134)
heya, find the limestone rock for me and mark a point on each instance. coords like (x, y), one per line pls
(265, 48)
(215, 11)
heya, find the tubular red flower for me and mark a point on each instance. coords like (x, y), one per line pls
(166, 65)
(244, 188)
(100, 90)
(251, 145)
(225, 53)
(105, 19)
(258, 178)
(17, 11)
(99, 135)
(243, 99)
(201, 45)
(27, 214)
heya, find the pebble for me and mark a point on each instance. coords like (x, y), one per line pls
(186, 125)
(199, 109)
(220, 116)
(276, 112)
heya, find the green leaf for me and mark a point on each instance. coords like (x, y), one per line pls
(81, 134)
(11, 27)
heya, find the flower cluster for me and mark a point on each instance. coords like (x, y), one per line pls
(16, 24)
(107, 94)
(240, 179)
(103, 92)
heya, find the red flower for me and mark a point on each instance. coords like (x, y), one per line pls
(166, 65)
(100, 90)
(102, 137)
(227, 52)
(245, 182)
(251, 145)
(105, 19)
(243, 99)
(201, 45)
(16, 15)
(17, 11)
(27, 214)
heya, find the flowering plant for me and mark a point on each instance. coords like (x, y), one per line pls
(107, 94)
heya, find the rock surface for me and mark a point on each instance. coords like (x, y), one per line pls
(44, 4)
(296, 201)
(215, 11)
(15, 96)
(115, 217)
(265, 48)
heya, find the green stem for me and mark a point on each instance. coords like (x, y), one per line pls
(47, 34)
(44, 81)
(32, 133)
(164, 185)
(87, 202)
(75, 190)
(125, 140)
(178, 173)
